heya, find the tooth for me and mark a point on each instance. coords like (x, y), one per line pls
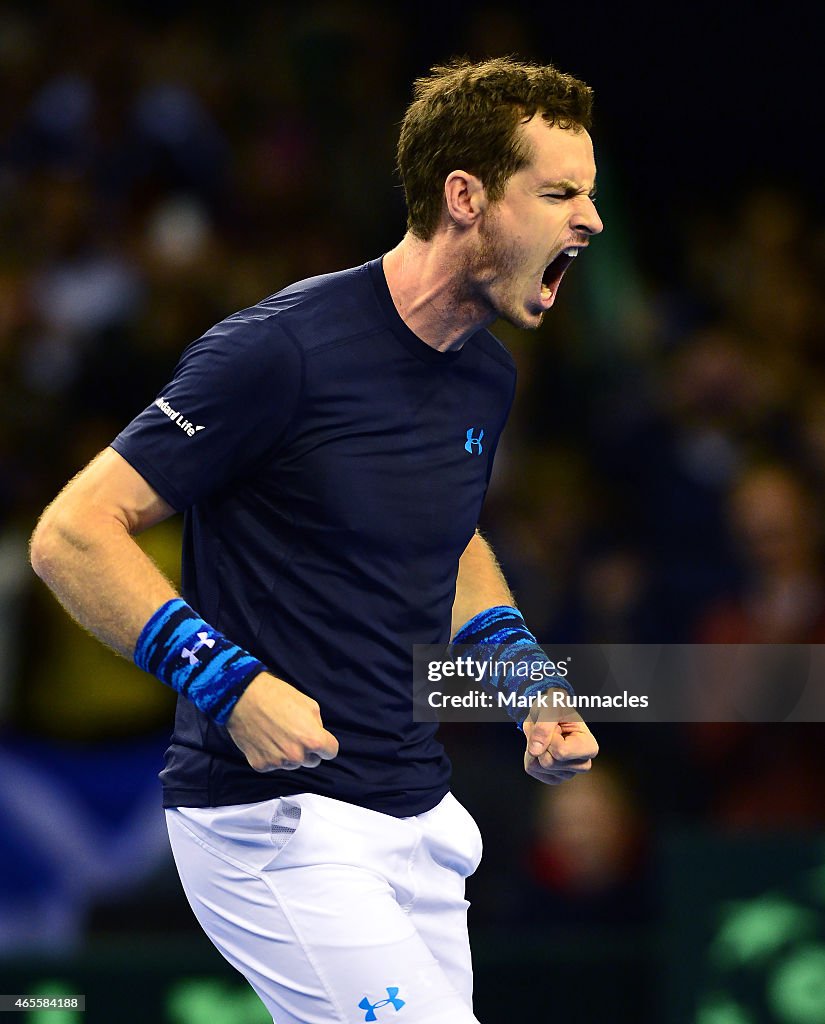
(571, 252)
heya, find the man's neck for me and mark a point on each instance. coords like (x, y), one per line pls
(428, 285)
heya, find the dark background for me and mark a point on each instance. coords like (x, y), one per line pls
(661, 479)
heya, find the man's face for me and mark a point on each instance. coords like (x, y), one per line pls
(530, 236)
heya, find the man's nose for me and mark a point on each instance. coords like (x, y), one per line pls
(586, 217)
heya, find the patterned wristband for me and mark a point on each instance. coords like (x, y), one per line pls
(178, 647)
(500, 634)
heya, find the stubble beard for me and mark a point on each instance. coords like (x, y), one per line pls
(494, 270)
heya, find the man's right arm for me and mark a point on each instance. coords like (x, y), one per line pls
(84, 549)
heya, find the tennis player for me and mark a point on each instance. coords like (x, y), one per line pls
(330, 449)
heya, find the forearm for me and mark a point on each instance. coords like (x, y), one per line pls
(487, 624)
(85, 552)
(480, 583)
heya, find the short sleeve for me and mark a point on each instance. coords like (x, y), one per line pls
(229, 403)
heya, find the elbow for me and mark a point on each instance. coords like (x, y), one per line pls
(44, 546)
(51, 543)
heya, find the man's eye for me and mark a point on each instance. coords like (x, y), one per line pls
(554, 195)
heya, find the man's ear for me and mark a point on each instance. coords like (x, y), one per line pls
(465, 198)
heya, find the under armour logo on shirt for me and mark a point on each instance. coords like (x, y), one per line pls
(473, 444)
(393, 1000)
(204, 640)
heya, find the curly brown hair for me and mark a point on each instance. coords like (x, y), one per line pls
(466, 115)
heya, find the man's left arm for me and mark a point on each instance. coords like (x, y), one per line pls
(559, 743)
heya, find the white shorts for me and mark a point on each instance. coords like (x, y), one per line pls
(332, 912)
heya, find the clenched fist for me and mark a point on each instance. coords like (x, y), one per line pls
(276, 726)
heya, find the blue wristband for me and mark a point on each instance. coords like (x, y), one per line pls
(501, 634)
(178, 647)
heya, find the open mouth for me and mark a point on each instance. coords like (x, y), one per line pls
(553, 274)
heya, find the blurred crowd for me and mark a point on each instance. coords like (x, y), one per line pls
(662, 478)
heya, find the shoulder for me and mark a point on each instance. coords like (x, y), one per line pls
(492, 360)
(489, 347)
(315, 311)
(290, 323)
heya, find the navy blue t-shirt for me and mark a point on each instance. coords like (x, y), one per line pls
(332, 467)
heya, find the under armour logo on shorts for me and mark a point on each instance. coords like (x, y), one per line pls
(473, 444)
(392, 1000)
(204, 640)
